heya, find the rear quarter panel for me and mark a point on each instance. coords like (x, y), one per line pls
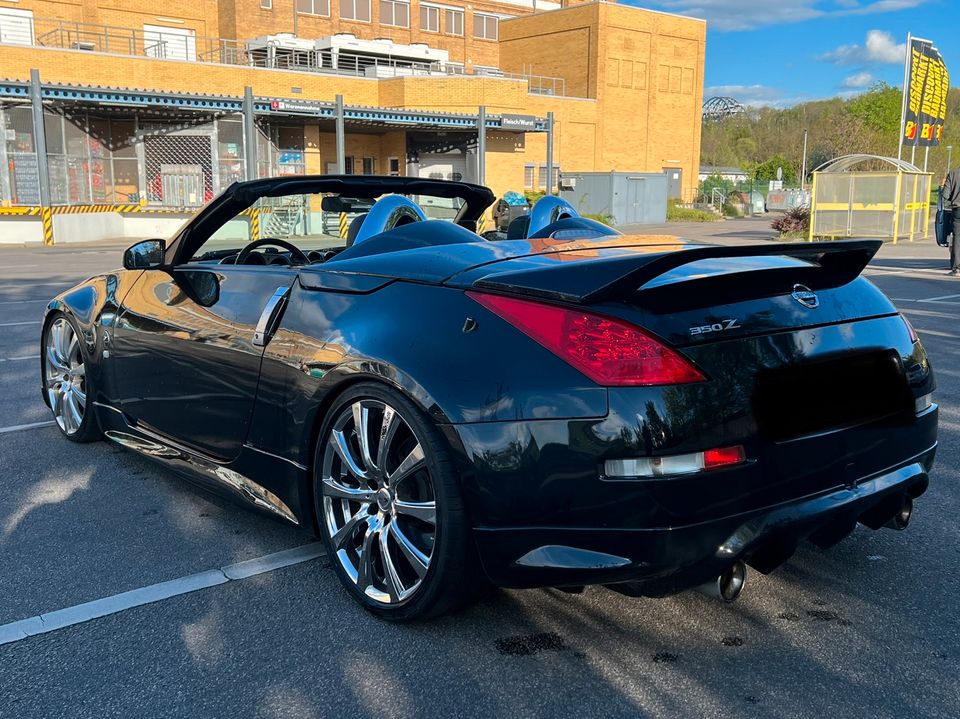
(413, 337)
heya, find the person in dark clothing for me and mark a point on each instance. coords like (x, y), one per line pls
(951, 200)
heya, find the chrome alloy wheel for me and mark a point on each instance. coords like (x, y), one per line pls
(379, 506)
(64, 375)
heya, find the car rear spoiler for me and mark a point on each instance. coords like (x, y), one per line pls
(832, 264)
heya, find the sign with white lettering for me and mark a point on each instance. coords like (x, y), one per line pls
(518, 122)
(299, 106)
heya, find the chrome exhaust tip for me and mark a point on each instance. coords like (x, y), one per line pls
(727, 586)
(901, 519)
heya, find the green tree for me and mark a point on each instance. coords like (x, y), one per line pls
(715, 182)
(767, 170)
(879, 108)
(867, 123)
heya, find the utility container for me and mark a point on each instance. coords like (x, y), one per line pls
(629, 198)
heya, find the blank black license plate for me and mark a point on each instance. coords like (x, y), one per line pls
(819, 396)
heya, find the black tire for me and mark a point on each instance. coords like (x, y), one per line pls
(451, 577)
(88, 429)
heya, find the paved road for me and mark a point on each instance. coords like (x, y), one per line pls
(868, 628)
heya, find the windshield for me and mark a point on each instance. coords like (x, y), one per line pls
(312, 223)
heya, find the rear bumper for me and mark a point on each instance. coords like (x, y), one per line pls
(664, 560)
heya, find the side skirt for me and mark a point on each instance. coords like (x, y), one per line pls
(230, 479)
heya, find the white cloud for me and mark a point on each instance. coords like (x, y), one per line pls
(880, 48)
(754, 96)
(728, 15)
(741, 92)
(736, 14)
(859, 79)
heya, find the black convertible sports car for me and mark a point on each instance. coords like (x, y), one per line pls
(567, 406)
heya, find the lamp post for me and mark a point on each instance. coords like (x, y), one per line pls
(949, 156)
(803, 172)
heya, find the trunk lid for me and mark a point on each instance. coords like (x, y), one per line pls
(689, 294)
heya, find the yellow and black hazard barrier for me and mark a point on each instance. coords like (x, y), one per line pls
(125, 209)
(19, 211)
(46, 215)
(84, 209)
(343, 225)
(481, 224)
(254, 224)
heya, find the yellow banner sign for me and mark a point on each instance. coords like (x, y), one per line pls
(926, 104)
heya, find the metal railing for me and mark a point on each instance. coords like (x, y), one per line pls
(176, 44)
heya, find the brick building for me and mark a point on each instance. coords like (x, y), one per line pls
(141, 100)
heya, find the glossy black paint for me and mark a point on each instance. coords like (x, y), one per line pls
(183, 361)
(179, 379)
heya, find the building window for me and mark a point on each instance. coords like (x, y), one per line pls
(266, 4)
(543, 176)
(486, 27)
(394, 12)
(453, 22)
(528, 177)
(169, 43)
(314, 7)
(429, 18)
(369, 166)
(16, 26)
(355, 10)
(348, 165)
(394, 164)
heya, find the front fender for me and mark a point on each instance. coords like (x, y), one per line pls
(91, 305)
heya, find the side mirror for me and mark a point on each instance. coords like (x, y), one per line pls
(145, 255)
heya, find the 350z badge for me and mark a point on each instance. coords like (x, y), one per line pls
(731, 324)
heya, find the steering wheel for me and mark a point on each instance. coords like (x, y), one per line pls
(297, 257)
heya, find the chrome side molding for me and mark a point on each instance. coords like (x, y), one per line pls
(248, 490)
(268, 318)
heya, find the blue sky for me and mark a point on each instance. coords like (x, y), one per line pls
(781, 52)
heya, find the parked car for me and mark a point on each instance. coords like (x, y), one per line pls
(573, 407)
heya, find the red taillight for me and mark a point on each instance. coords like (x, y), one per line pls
(913, 333)
(724, 456)
(607, 350)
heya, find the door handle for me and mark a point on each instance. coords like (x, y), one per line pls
(268, 318)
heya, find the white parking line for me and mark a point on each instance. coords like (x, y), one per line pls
(61, 283)
(931, 301)
(43, 623)
(19, 359)
(17, 324)
(889, 268)
(22, 427)
(24, 302)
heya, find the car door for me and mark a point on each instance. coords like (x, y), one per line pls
(185, 351)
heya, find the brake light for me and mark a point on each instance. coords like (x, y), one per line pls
(607, 350)
(913, 333)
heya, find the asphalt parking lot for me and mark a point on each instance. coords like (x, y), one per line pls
(868, 628)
